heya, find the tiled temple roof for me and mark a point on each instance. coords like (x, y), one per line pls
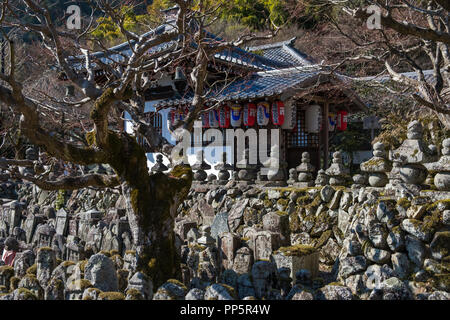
(257, 86)
(284, 53)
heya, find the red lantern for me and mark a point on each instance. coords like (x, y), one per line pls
(236, 115)
(342, 120)
(278, 113)
(249, 114)
(263, 113)
(213, 117)
(224, 117)
(205, 120)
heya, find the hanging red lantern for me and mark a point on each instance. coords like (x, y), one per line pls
(249, 114)
(263, 113)
(236, 115)
(278, 113)
(224, 117)
(213, 117)
(205, 120)
(342, 120)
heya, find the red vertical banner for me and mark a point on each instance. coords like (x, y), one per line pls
(342, 120)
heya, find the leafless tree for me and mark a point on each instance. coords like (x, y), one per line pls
(152, 200)
(411, 36)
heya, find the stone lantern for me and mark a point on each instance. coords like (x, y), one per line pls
(337, 172)
(377, 166)
(305, 171)
(200, 166)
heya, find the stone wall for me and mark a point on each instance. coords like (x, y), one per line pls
(384, 236)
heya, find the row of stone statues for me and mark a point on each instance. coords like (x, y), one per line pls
(412, 165)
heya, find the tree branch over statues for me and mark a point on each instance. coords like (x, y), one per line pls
(400, 36)
(152, 200)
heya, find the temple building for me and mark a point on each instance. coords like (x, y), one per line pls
(272, 86)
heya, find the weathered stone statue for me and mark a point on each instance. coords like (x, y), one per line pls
(441, 168)
(274, 168)
(159, 166)
(305, 170)
(412, 155)
(359, 181)
(321, 179)
(377, 166)
(337, 171)
(205, 237)
(292, 176)
(200, 166)
(223, 167)
(247, 172)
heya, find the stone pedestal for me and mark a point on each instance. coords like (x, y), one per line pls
(296, 260)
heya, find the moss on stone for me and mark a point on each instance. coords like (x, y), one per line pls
(197, 247)
(294, 223)
(335, 284)
(131, 252)
(178, 283)
(314, 203)
(82, 265)
(6, 269)
(404, 203)
(32, 269)
(82, 284)
(281, 213)
(298, 250)
(441, 281)
(432, 206)
(113, 253)
(231, 291)
(134, 294)
(303, 200)
(26, 294)
(111, 296)
(106, 253)
(14, 283)
(67, 263)
(323, 239)
(432, 222)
